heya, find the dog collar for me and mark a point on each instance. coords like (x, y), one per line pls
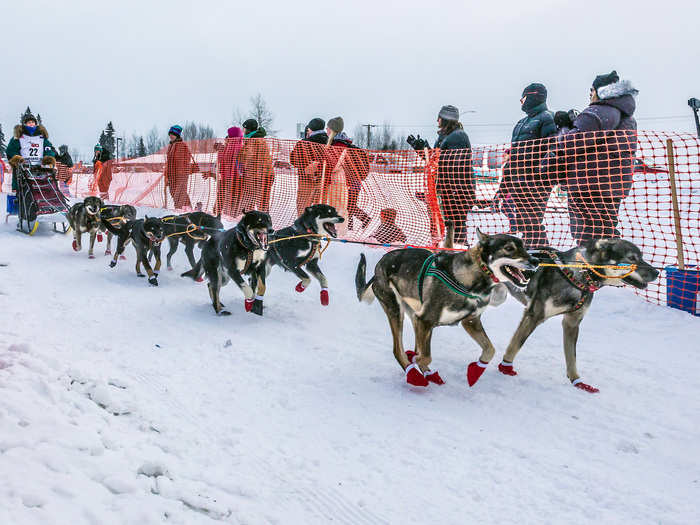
(589, 286)
(487, 270)
(429, 269)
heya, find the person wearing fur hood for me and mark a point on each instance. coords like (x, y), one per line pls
(594, 160)
(30, 143)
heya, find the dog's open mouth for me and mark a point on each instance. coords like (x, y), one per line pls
(515, 275)
(330, 229)
(261, 239)
(154, 240)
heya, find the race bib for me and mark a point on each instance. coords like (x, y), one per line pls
(31, 149)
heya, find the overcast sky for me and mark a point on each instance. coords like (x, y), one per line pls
(140, 63)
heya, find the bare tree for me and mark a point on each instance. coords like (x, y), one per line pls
(154, 141)
(382, 137)
(196, 131)
(260, 111)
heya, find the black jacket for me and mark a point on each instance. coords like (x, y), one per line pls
(65, 159)
(103, 157)
(538, 124)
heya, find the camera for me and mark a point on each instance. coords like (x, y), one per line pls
(694, 103)
(417, 143)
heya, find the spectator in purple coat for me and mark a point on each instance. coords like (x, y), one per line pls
(594, 160)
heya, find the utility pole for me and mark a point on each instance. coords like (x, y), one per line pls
(369, 133)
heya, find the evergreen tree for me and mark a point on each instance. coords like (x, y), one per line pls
(2, 142)
(141, 151)
(107, 138)
(26, 112)
(38, 118)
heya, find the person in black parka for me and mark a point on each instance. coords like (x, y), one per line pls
(526, 187)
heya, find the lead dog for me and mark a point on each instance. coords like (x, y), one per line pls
(443, 289)
(566, 291)
(146, 235)
(233, 254)
(297, 247)
(84, 217)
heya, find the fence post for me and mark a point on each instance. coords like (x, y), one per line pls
(674, 199)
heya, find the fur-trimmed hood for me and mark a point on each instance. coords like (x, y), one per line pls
(40, 130)
(618, 89)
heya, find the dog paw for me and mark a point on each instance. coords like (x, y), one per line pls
(257, 307)
(122, 257)
(325, 299)
(224, 312)
(583, 386)
(248, 305)
(415, 377)
(140, 275)
(99, 237)
(108, 252)
(507, 369)
(199, 279)
(76, 246)
(91, 256)
(153, 281)
(112, 264)
(300, 287)
(411, 355)
(434, 377)
(170, 268)
(474, 371)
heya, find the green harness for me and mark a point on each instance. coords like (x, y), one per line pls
(430, 270)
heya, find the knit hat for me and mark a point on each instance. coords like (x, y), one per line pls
(98, 147)
(234, 132)
(605, 80)
(251, 124)
(316, 124)
(449, 113)
(336, 124)
(175, 130)
(26, 118)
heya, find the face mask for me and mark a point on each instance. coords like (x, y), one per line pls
(30, 129)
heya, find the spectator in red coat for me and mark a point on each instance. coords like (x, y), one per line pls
(179, 165)
(228, 194)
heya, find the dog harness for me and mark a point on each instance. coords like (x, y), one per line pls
(315, 249)
(429, 269)
(249, 252)
(587, 288)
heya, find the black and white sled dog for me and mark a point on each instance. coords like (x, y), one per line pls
(233, 254)
(117, 217)
(295, 253)
(146, 235)
(443, 288)
(565, 291)
(84, 217)
(189, 229)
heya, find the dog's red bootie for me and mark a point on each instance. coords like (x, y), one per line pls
(199, 279)
(474, 371)
(433, 377)
(300, 287)
(249, 305)
(99, 237)
(411, 356)
(583, 386)
(415, 377)
(504, 367)
(108, 252)
(75, 246)
(122, 257)
(91, 256)
(325, 300)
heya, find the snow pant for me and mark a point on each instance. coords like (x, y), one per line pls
(593, 215)
(457, 196)
(267, 179)
(530, 195)
(228, 197)
(178, 192)
(354, 186)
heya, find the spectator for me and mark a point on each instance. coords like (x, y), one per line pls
(228, 192)
(527, 188)
(179, 165)
(307, 157)
(29, 143)
(594, 161)
(455, 177)
(564, 121)
(355, 168)
(102, 171)
(388, 232)
(256, 165)
(64, 163)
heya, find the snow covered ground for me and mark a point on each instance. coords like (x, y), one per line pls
(122, 403)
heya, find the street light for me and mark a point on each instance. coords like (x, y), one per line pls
(117, 155)
(694, 103)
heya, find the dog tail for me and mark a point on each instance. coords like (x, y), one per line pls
(365, 292)
(196, 272)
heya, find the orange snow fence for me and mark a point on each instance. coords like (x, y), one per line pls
(557, 192)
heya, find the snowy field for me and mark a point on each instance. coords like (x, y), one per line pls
(123, 403)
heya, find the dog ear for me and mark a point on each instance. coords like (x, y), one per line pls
(308, 209)
(483, 238)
